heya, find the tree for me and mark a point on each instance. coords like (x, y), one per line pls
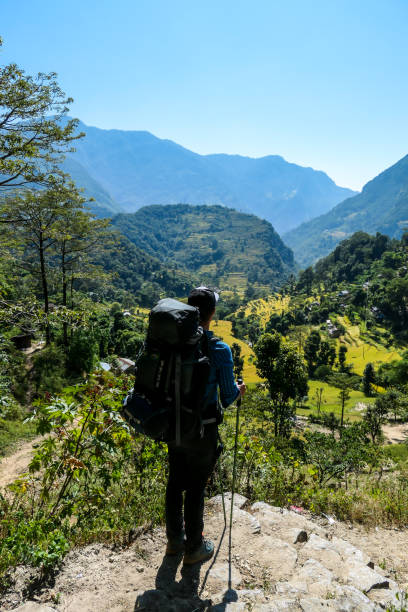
(305, 281)
(319, 399)
(344, 383)
(336, 458)
(77, 233)
(368, 379)
(311, 351)
(392, 401)
(342, 357)
(395, 373)
(34, 220)
(237, 359)
(374, 417)
(33, 136)
(286, 375)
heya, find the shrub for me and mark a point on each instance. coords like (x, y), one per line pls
(49, 370)
(83, 352)
(322, 372)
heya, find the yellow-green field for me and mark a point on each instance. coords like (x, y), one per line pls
(265, 307)
(360, 352)
(235, 280)
(223, 330)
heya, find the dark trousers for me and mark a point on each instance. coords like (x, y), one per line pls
(189, 470)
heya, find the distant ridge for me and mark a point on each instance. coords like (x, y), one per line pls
(382, 206)
(135, 168)
(217, 244)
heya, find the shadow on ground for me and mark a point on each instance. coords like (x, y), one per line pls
(171, 595)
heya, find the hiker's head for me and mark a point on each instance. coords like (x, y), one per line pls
(205, 300)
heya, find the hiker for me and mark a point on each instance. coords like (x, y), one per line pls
(191, 464)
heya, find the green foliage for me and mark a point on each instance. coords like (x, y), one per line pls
(83, 351)
(368, 379)
(372, 273)
(374, 417)
(342, 357)
(397, 452)
(286, 376)
(237, 359)
(305, 280)
(32, 135)
(394, 374)
(311, 350)
(322, 372)
(49, 372)
(344, 383)
(91, 480)
(350, 259)
(88, 480)
(137, 274)
(334, 458)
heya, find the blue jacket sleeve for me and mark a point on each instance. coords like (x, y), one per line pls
(229, 390)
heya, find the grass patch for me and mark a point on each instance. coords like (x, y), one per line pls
(331, 402)
(397, 452)
(12, 432)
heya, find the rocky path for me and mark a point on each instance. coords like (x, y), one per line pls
(279, 560)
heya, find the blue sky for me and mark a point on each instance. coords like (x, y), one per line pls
(322, 83)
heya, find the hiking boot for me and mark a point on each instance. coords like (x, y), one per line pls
(204, 552)
(175, 545)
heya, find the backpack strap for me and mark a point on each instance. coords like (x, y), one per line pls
(207, 342)
(177, 396)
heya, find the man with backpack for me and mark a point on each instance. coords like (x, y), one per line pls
(192, 462)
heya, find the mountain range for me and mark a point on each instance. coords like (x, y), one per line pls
(125, 170)
(382, 206)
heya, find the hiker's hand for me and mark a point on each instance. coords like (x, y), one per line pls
(242, 389)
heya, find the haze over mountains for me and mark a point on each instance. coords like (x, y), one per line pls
(125, 170)
(382, 206)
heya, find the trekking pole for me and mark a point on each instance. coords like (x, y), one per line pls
(234, 475)
(220, 451)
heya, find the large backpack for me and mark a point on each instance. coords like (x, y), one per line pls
(167, 402)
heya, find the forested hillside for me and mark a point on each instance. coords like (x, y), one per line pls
(139, 169)
(382, 206)
(218, 244)
(137, 276)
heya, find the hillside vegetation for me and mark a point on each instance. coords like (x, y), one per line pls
(136, 277)
(213, 242)
(382, 206)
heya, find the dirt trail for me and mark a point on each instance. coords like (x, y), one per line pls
(279, 561)
(396, 433)
(17, 463)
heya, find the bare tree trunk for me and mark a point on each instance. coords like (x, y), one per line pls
(44, 288)
(64, 295)
(72, 301)
(342, 416)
